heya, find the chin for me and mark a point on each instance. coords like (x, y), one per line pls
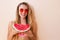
(23, 16)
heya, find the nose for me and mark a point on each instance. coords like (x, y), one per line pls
(24, 12)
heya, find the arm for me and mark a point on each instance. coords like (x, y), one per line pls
(30, 35)
(9, 37)
(11, 32)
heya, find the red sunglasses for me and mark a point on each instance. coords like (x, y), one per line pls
(23, 10)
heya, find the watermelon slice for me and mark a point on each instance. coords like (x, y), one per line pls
(21, 27)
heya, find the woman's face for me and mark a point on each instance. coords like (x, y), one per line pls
(23, 11)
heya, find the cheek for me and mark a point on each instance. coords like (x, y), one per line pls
(20, 12)
(26, 13)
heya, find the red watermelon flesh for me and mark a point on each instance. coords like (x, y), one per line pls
(21, 26)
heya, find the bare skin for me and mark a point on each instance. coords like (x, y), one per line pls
(12, 32)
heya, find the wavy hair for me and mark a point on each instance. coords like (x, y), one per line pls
(29, 20)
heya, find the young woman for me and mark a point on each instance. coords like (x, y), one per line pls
(23, 17)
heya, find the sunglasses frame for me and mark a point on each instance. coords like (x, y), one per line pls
(23, 10)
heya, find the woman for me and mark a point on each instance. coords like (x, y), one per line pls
(23, 16)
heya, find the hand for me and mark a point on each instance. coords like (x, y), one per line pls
(29, 33)
(11, 30)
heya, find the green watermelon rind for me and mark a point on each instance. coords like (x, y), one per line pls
(20, 30)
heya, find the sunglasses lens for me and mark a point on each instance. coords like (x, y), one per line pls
(26, 10)
(21, 10)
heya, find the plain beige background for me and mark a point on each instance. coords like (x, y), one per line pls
(47, 14)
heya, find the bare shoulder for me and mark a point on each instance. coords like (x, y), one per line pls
(10, 24)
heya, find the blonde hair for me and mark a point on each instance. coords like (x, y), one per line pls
(29, 19)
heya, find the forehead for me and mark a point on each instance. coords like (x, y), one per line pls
(23, 6)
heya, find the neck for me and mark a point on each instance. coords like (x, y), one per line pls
(23, 21)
